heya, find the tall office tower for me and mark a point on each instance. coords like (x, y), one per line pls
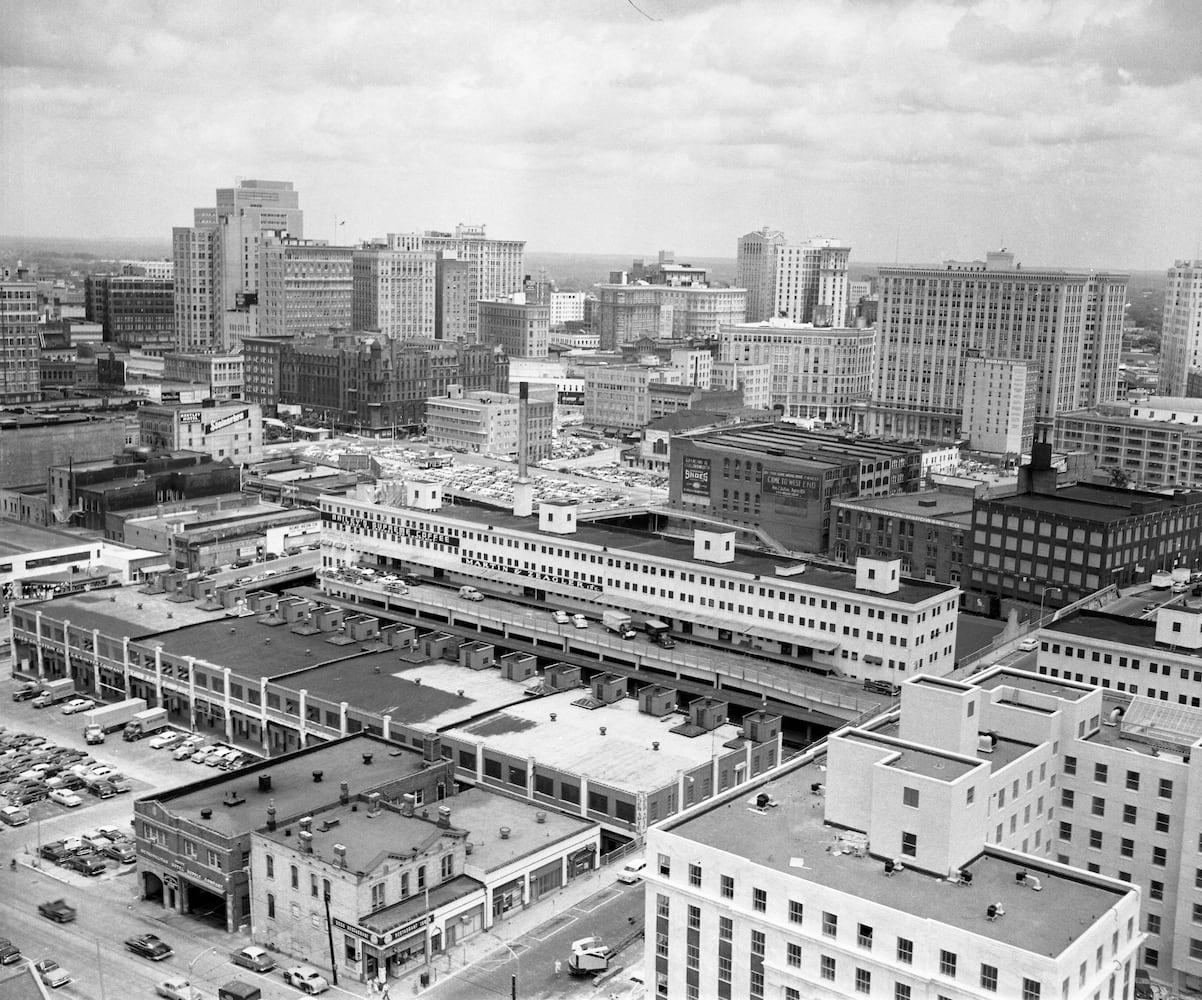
(393, 292)
(494, 267)
(515, 323)
(811, 282)
(931, 318)
(452, 283)
(1181, 343)
(217, 259)
(305, 287)
(20, 347)
(134, 310)
(757, 271)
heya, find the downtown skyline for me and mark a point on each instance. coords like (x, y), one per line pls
(915, 131)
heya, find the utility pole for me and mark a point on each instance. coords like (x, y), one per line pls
(513, 988)
(330, 935)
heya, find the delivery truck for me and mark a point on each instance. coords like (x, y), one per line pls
(589, 957)
(145, 724)
(658, 633)
(109, 718)
(619, 622)
(55, 691)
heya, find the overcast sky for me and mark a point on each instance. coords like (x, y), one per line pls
(1070, 131)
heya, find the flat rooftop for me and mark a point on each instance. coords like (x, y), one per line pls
(1097, 503)
(369, 840)
(293, 790)
(20, 538)
(918, 759)
(793, 839)
(622, 758)
(124, 611)
(1065, 690)
(952, 507)
(1106, 628)
(762, 564)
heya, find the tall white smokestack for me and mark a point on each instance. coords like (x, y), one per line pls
(523, 489)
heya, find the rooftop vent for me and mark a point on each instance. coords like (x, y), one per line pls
(340, 854)
(367, 758)
(655, 744)
(505, 831)
(317, 775)
(305, 823)
(344, 793)
(306, 839)
(206, 814)
(271, 814)
(264, 782)
(540, 817)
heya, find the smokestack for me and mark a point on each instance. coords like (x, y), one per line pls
(523, 489)
(271, 814)
(344, 793)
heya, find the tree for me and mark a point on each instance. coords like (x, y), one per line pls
(1119, 478)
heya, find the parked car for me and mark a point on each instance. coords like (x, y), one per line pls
(149, 946)
(580, 621)
(78, 705)
(23, 795)
(1027, 645)
(165, 740)
(306, 979)
(14, 815)
(95, 840)
(187, 748)
(253, 957)
(71, 782)
(102, 771)
(51, 973)
(59, 910)
(219, 755)
(26, 691)
(100, 788)
(65, 797)
(122, 852)
(561, 617)
(632, 873)
(85, 864)
(9, 952)
(178, 988)
(55, 851)
(234, 761)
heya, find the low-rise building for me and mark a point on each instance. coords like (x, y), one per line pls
(519, 326)
(221, 373)
(231, 431)
(487, 423)
(625, 313)
(754, 381)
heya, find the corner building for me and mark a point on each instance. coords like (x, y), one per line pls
(888, 866)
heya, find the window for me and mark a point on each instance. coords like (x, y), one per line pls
(1100, 771)
(1159, 857)
(312, 885)
(1095, 839)
(989, 977)
(1155, 889)
(1166, 788)
(1070, 765)
(665, 866)
(796, 910)
(1130, 813)
(793, 954)
(758, 943)
(1152, 925)
(695, 875)
(1066, 830)
(901, 992)
(864, 936)
(1031, 989)
(830, 924)
(447, 866)
(728, 887)
(828, 968)
(270, 863)
(1098, 806)
(1152, 957)
(910, 797)
(421, 877)
(1195, 948)
(661, 906)
(694, 918)
(947, 963)
(905, 951)
(909, 844)
(1162, 822)
(377, 896)
(1133, 781)
(1066, 798)
(759, 900)
(1127, 847)
(295, 877)
(792, 994)
(863, 981)
(270, 905)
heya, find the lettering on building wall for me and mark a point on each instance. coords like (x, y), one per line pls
(229, 418)
(790, 484)
(696, 476)
(545, 576)
(190, 416)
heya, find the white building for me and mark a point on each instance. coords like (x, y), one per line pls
(221, 373)
(696, 367)
(618, 396)
(486, 423)
(516, 324)
(756, 261)
(1181, 343)
(567, 307)
(906, 861)
(811, 282)
(232, 431)
(754, 380)
(393, 292)
(999, 406)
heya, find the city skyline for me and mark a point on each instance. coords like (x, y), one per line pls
(913, 132)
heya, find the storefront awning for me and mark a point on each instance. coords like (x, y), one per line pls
(423, 905)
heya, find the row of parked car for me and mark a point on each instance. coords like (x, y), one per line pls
(47, 969)
(32, 769)
(196, 749)
(89, 852)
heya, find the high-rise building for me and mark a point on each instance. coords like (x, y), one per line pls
(627, 313)
(1181, 340)
(757, 271)
(519, 326)
(567, 307)
(305, 287)
(494, 267)
(1067, 323)
(452, 287)
(393, 292)
(20, 350)
(217, 259)
(133, 310)
(999, 406)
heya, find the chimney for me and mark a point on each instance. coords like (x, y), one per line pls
(305, 823)
(444, 817)
(408, 801)
(306, 839)
(373, 804)
(344, 793)
(271, 814)
(340, 855)
(523, 428)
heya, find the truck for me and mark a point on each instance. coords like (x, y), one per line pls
(618, 622)
(589, 957)
(657, 632)
(1161, 580)
(145, 723)
(59, 910)
(109, 718)
(55, 691)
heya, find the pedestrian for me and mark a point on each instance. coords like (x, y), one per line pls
(384, 992)
(558, 967)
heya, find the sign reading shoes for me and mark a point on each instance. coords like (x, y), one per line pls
(229, 418)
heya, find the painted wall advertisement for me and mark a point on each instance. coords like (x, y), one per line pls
(790, 484)
(696, 479)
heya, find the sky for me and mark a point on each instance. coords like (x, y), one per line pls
(1068, 131)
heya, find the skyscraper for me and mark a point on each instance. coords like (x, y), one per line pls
(757, 271)
(804, 282)
(493, 267)
(305, 287)
(393, 292)
(217, 258)
(20, 371)
(1068, 323)
(1181, 343)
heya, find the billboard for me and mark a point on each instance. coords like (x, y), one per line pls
(791, 484)
(567, 397)
(696, 479)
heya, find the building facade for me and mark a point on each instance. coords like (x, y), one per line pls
(1067, 324)
(515, 324)
(305, 287)
(222, 373)
(393, 292)
(619, 396)
(999, 406)
(811, 282)
(756, 263)
(133, 310)
(232, 431)
(626, 313)
(566, 307)
(1181, 341)
(487, 423)
(754, 381)
(20, 347)
(816, 373)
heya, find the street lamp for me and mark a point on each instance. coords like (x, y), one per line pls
(513, 980)
(1043, 595)
(197, 958)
